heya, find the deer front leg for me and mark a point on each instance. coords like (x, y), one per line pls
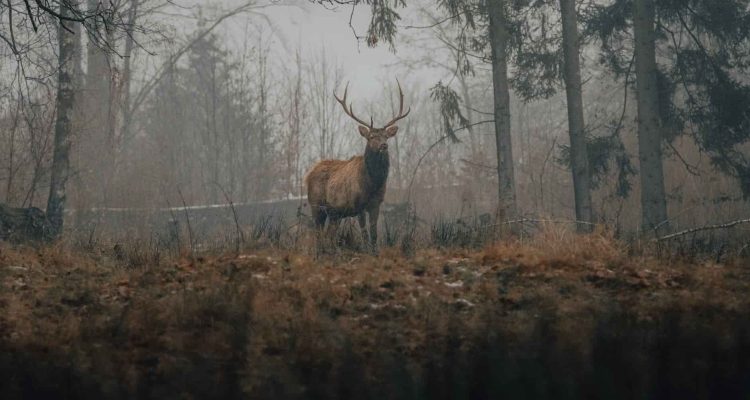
(362, 218)
(374, 213)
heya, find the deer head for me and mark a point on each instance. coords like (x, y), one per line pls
(377, 138)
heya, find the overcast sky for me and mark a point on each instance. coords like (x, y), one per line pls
(299, 23)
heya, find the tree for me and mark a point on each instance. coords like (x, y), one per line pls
(324, 76)
(96, 149)
(37, 13)
(698, 88)
(653, 198)
(293, 113)
(499, 37)
(69, 39)
(576, 126)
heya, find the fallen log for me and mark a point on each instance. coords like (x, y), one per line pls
(704, 228)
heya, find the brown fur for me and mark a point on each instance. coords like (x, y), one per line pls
(340, 189)
(338, 186)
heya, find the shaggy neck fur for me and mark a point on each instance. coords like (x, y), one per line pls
(376, 166)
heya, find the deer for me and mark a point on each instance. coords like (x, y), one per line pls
(338, 189)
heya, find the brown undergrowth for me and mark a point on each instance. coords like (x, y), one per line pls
(440, 324)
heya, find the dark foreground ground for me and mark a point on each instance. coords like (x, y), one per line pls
(555, 317)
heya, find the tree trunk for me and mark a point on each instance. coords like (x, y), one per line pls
(68, 82)
(576, 126)
(126, 70)
(499, 38)
(653, 200)
(96, 151)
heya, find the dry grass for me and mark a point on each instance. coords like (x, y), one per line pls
(279, 324)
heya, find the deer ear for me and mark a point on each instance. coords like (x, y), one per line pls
(364, 132)
(391, 131)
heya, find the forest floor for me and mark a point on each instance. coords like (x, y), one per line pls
(554, 316)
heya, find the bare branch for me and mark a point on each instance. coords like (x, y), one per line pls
(704, 228)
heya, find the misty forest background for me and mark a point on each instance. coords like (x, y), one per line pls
(632, 114)
(127, 126)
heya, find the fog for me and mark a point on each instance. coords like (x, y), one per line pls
(205, 103)
(388, 199)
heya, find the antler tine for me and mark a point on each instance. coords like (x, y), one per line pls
(343, 102)
(349, 111)
(401, 114)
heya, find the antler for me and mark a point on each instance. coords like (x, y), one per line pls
(349, 110)
(401, 114)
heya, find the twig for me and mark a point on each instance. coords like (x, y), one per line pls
(240, 234)
(621, 121)
(174, 218)
(436, 23)
(704, 228)
(31, 15)
(544, 170)
(478, 165)
(429, 149)
(691, 169)
(742, 250)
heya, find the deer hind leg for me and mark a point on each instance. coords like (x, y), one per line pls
(319, 215)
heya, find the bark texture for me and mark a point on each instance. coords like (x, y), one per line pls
(653, 199)
(69, 47)
(499, 38)
(576, 123)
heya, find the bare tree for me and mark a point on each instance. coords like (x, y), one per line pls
(294, 115)
(31, 15)
(323, 77)
(69, 38)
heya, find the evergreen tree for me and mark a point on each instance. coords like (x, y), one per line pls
(576, 125)
(698, 85)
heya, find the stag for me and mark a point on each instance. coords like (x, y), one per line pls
(338, 189)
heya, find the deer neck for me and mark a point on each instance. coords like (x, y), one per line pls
(376, 168)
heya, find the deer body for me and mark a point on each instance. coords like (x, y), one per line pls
(339, 189)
